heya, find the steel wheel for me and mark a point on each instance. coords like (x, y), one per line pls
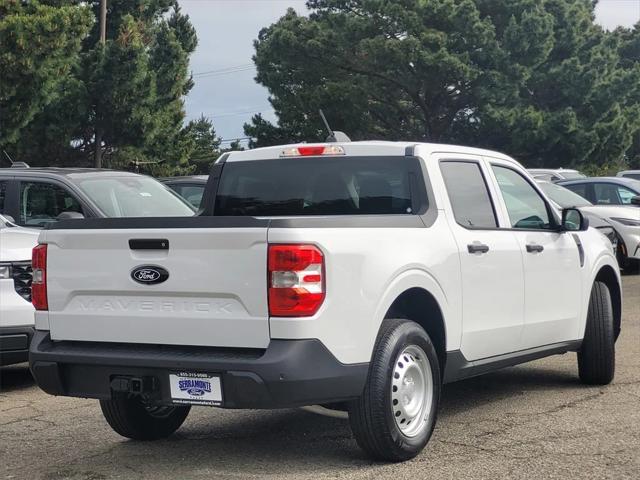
(411, 390)
(394, 417)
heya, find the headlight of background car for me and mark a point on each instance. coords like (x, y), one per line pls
(627, 221)
(5, 270)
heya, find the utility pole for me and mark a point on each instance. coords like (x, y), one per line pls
(99, 133)
(103, 21)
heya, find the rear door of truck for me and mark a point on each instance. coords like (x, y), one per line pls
(175, 281)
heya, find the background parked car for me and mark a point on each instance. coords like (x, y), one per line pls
(555, 174)
(605, 190)
(191, 188)
(632, 174)
(564, 198)
(613, 199)
(16, 311)
(37, 196)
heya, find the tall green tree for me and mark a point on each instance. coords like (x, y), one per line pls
(123, 102)
(535, 78)
(630, 60)
(205, 144)
(41, 44)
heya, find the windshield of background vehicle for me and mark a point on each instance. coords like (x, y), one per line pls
(563, 196)
(133, 196)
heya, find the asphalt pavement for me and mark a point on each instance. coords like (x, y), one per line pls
(532, 421)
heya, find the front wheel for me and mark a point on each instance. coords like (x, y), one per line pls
(395, 416)
(597, 355)
(132, 418)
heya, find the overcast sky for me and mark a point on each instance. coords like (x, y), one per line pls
(223, 71)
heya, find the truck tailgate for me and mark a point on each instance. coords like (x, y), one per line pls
(215, 293)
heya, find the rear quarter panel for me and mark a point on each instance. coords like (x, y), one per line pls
(366, 270)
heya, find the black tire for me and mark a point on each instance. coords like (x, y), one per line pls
(597, 355)
(131, 418)
(631, 265)
(620, 255)
(372, 415)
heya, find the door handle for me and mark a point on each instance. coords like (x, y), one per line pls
(534, 247)
(477, 248)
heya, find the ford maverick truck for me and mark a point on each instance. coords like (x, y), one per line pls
(363, 275)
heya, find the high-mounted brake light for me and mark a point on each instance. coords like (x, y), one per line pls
(313, 151)
(39, 282)
(296, 280)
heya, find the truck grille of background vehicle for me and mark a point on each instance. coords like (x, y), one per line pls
(22, 277)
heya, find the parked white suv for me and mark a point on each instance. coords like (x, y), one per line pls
(367, 273)
(555, 174)
(16, 311)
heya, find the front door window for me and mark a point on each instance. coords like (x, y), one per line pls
(41, 203)
(526, 208)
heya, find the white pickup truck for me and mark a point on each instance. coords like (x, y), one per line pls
(362, 274)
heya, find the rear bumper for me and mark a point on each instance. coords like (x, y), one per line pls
(288, 373)
(14, 344)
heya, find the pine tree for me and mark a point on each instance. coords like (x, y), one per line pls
(40, 46)
(535, 78)
(128, 93)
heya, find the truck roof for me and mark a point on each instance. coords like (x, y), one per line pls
(367, 148)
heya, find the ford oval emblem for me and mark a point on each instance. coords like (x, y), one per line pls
(149, 274)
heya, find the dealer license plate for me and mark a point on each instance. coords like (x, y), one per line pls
(195, 388)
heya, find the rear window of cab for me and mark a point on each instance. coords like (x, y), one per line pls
(318, 186)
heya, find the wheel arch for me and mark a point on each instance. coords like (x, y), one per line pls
(421, 306)
(607, 275)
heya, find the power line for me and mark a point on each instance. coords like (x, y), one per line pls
(253, 111)
(225, 71)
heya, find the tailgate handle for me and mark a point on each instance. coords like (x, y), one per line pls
(149, 244)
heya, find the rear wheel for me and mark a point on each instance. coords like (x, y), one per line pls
(597, 355)
(132, 418)
(395, 416)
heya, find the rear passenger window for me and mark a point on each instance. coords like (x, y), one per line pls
(469, 195)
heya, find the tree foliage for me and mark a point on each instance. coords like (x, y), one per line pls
(205, 144)
(535, 78)
(40, 47)
(127, 94)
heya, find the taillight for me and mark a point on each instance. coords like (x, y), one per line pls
(296, 280)
(39, 282)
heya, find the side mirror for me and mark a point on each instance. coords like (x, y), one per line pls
(574, 221)
(635, 200)
(70, 216)
(9, 218)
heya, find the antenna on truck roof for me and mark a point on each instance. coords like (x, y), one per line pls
(336, 136)
(14, 164)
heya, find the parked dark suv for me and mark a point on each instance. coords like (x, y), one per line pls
(191, 188)
(34, 197)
